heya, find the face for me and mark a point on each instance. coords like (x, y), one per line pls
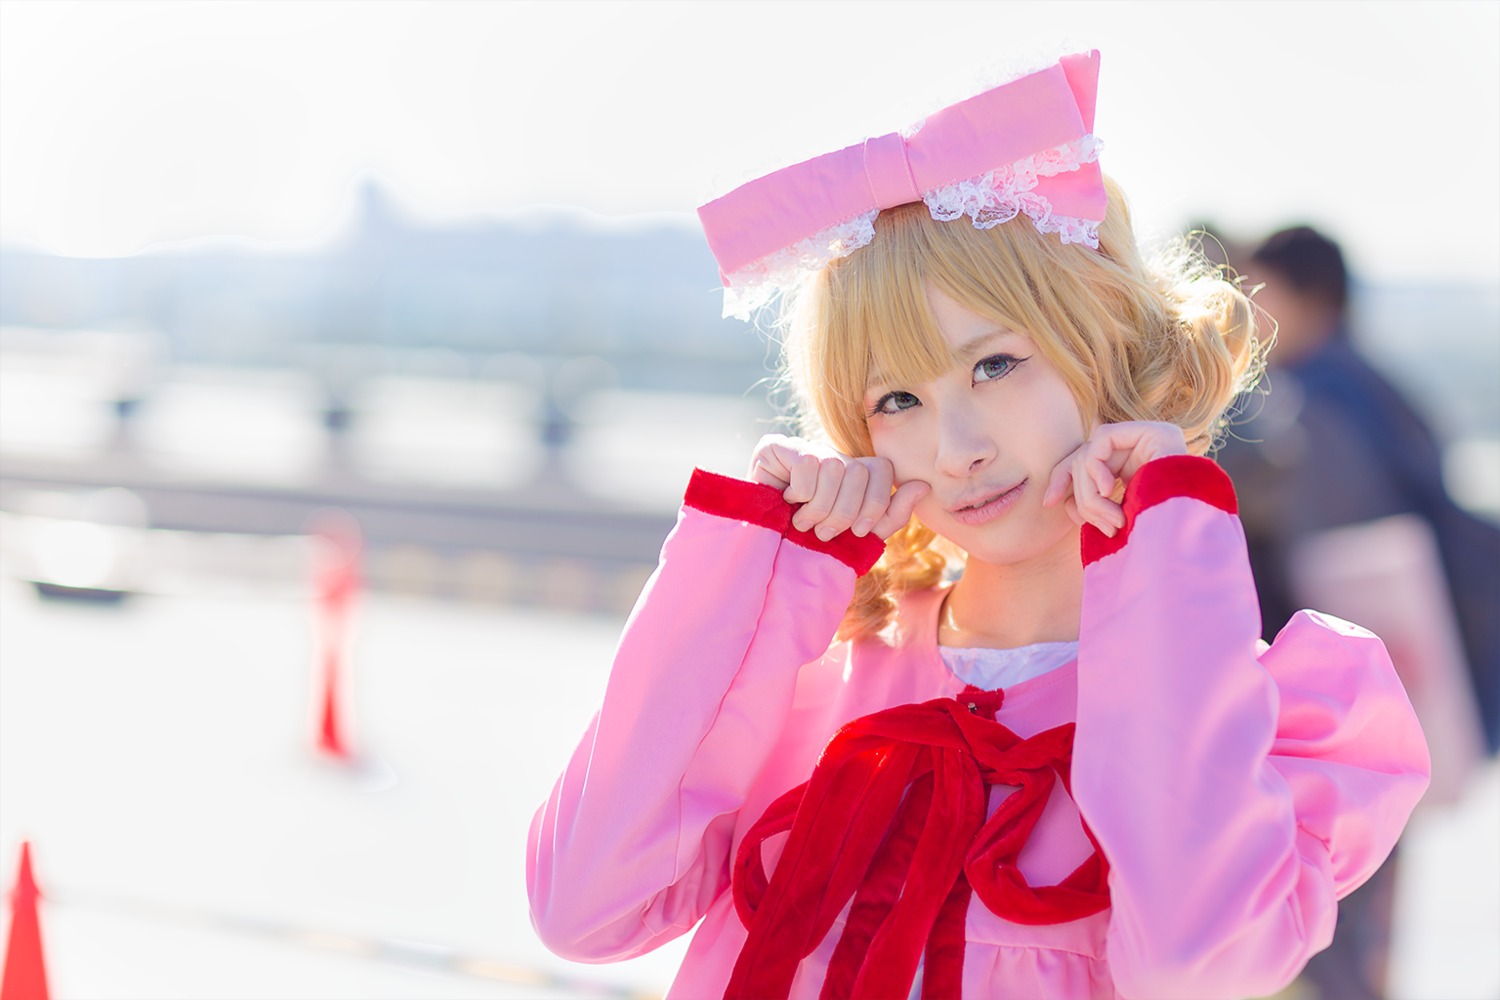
(1302, 322)
(985, 435)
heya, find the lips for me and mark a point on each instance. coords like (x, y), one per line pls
(988, 506)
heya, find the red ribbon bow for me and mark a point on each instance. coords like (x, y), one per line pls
(893, 817)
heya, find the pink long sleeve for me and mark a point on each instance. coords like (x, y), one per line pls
(633, 844)
(1237, 796)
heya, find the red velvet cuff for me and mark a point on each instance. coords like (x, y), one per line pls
(740, 500)
(1163, 479)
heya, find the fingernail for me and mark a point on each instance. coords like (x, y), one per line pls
(862, 526)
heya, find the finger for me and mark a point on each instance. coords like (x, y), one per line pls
(1108, 517)
(1105, 483)
(1093, 507)
(769, 466)
(1070, 507)
(1156, 441)
(830, 474)
(1102, 512)
(877, 496)
(765, 477)
(847, 502)
(1102, 475)
(1109, 448)
(903, 502)
(803, 479)
(1134, 443)
(1059, 484)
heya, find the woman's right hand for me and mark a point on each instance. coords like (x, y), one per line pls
(836, 492)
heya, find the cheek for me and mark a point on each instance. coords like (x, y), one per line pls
(888, 443)
(930, 512)
(1064, 425)
(908, 455)
(1077, 429)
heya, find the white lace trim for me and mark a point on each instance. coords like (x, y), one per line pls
(988, 200)
(755, 284)
(1007, 191)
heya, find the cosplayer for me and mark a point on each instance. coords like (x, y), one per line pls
(967, 697)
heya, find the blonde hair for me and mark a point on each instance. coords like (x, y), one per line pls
(1173, 340)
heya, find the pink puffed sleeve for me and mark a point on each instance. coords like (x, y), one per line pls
(633, 844)
(1237, 795)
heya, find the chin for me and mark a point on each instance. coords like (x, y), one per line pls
(1023, 545)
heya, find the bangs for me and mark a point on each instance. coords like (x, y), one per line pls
(895, 332)
(878, 311)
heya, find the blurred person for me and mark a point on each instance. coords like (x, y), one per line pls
(1072, 772)
(1342, 499)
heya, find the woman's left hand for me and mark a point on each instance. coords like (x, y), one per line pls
(1109, 456)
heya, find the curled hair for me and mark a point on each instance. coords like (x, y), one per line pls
(1168, 340)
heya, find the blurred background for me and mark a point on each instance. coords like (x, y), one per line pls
(353, 357)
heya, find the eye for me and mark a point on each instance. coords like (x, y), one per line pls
(894, 402)
(996, 366)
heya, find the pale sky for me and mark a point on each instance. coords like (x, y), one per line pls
(125, 125)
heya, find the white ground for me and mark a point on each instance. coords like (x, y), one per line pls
(191, 844)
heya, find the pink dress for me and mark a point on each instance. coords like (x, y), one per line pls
(1236, 791)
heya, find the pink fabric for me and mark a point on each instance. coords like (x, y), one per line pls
(1236, 794)
(996, 128)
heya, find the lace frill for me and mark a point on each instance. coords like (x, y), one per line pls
(756, 284)
(1008, 191)
(988, 200)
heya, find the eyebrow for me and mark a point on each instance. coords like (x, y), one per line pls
(977, 345)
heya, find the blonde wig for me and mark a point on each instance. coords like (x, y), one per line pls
(1171, 340)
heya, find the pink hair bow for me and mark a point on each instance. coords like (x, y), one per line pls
(1025, 147)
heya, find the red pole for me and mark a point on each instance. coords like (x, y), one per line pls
(25, 974)
(337, 548)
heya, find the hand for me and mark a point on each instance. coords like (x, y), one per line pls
(1111, 454)
(836, 492)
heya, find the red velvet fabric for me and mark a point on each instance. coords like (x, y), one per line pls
(892, 822)
(763, 505)
(1155, 482)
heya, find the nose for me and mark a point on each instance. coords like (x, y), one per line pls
(964, 446)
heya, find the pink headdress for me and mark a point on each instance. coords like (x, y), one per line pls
(1025, 147)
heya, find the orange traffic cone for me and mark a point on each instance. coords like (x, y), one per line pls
(25, 975)
(337, 549)
(330, 731)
